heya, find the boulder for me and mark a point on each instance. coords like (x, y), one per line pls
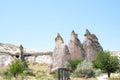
(91, 45)
(75, 47)
(61, 53)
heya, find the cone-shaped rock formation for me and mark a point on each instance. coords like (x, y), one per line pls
(75, 47)
(61, 53)
(91, 45)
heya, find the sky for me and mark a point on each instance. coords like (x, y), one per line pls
(35, 23)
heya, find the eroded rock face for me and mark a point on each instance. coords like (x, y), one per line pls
(61, 53)
(91, 46)
(9, 51)
(40, 59)
(75, 47)
(5, 60)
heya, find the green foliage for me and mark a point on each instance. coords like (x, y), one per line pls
(84, 70)
(16, 68)
(106, 62)
(72, 64)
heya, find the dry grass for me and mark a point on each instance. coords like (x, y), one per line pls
(83, 79)
(38, 67)
(43, 67)
(3, 68)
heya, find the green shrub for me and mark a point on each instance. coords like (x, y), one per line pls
(72, 64)
(74, 74)
(16, 68)
(84, 70)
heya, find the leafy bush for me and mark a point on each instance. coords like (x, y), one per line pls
(74, 74)
(106, 62)
(84, 70)
(72, 64)
(16, 68)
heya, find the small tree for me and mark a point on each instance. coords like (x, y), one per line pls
(106, 62)
(17, 68)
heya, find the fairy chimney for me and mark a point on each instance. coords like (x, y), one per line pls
(61, 53)
(75, 47)
(91, 46)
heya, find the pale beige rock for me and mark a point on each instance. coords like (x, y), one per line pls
(61, 53)
(91, 46)
(75, 47)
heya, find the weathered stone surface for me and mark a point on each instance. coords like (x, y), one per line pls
(21, 54)
(40, 59)
(5, 60)
(75, 47)
(91, 45)
(61, 53)
(8, 50)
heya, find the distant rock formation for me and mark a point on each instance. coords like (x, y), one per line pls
(8, 51)
(61, 53)
(91, 45)
(75, 47)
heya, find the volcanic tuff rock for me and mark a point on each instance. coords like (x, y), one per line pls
(61, 53)
(91, 45)
(8, 50)
(75, 47)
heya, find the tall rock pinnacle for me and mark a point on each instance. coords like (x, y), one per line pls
(91, 46)
(61, 53)
(75, 47)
